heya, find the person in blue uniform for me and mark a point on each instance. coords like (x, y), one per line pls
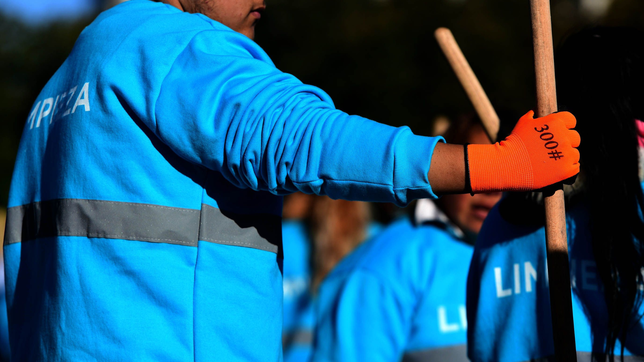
(299, 319)
(144, 215)
(600, 76)
(317, 232)
(401, 295)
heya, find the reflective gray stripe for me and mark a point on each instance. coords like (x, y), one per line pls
(588, 357)
(300, 337)
(262, 232)
(102, 219)
(456, 353)
(143, 222)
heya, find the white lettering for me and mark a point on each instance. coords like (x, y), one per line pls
(444, 326)
(517, 279)
(500, 292)
(62, 104)
(50, 107)
(32, 116)
(463, 312)
(293, 287)
(44, 111)
(53, 109)
(71, 93)
(530, 273)
(83, 98)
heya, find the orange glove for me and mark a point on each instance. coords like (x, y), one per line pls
(538, 153)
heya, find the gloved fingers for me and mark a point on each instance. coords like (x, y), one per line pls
(544, 123)
(569, 120)
(574, 138)
(525, 121)
(575, 156)
(529, 115)
(539, 152)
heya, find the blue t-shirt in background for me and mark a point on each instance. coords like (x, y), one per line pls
(299, 313)
(400, 295)
(299, 317)
(508, 301)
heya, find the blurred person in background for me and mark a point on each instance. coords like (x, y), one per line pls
(600, 77)
(317, 232)
(401, 295)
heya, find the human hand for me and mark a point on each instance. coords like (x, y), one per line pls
(538, 153)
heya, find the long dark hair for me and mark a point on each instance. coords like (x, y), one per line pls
(600, 76)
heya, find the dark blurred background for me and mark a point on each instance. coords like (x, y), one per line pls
(376, 58)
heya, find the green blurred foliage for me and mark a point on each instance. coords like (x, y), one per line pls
(376, 58)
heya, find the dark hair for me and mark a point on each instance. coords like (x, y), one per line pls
(600, 80)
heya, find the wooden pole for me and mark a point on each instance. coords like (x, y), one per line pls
(563, 330)
(469, 81)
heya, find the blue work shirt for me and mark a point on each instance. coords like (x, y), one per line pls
(508, 303)
(144, 217)
(399, 296)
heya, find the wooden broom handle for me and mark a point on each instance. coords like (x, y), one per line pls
(469, 81)
(563, 330)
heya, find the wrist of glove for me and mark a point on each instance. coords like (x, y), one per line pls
(538, 153)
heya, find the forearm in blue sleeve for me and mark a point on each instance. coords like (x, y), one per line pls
(265, 130)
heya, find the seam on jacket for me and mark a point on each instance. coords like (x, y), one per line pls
(194, 279)
(235, 243)
(123, 237)
(362, 182)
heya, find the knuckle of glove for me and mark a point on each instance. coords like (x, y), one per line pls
(552, 143)
(575, 138)
(567, 118)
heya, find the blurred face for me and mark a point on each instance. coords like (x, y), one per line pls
(239, 15)
(466, 211)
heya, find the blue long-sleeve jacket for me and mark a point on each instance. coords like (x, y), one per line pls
(144, 212)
